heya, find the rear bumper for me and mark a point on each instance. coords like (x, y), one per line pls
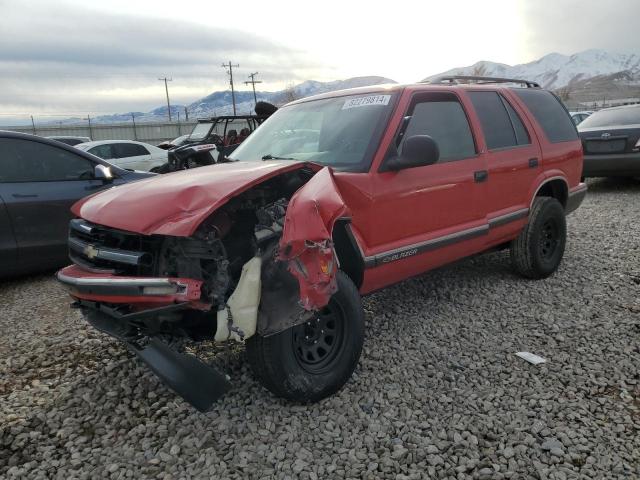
(105, 287)
(575, 197)
(620, 164)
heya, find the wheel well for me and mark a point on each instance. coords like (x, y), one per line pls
(557, 189)
(347, 251)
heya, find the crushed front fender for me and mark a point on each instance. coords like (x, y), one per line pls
(306, 243)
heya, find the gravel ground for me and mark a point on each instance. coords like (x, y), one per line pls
(438, 393)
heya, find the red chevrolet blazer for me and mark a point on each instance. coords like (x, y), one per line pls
(333, 197)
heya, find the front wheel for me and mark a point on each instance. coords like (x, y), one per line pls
(538, 250)
(311, 361)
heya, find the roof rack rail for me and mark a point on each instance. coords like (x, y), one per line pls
(480, 80)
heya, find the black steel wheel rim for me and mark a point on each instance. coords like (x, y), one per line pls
(318, 342)
(549, 238)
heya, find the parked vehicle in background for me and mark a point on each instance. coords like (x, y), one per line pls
(211, 140)
(176, 142)
(69, 140)
(127, 154)
(333, 197)
(578, 117)
(611, 142)
(39, 181)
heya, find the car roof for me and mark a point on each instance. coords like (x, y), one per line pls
(231, 117)
(105, 142)
(396, 87)
(55, 137)
(621, 107)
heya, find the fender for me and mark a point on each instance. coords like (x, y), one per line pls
(306, 244)
(543, 180)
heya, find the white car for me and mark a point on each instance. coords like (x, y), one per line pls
(127, 153)
(578, 117)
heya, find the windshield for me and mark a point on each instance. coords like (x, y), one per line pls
(609, 118)
(340, 132)
(200, 131)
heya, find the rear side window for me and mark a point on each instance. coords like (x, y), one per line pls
(522, 136)
(103, 151)
(550, 114)
(500, 123)
(444, 119)
(124, 150)
(29, 161)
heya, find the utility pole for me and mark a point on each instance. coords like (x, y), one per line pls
(253, 82)
(135, 133)
(90, 131)
(166, 89)
(33, 124)
(229, 68)
(186, 114)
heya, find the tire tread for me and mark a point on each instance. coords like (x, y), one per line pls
(521, 247)
(263, 354)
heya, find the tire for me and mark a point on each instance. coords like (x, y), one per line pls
(291, 366)
(537, 252)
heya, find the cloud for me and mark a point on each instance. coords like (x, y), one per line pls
(571, 26)
(79, 59)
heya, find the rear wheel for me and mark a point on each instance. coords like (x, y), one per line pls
(308, 362)
(538, 250)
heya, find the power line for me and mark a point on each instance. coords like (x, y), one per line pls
(166, 88)
(230, 73)
(253, 82)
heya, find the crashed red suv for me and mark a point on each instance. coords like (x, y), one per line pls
(333, 197)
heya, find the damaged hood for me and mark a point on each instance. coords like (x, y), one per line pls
(176, 203)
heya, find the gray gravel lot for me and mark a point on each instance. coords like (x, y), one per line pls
(439, 392)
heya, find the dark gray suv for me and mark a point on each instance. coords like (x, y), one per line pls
(39, 181)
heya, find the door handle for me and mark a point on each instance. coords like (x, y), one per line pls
(480, 176)
(533, 162)
(20, 195)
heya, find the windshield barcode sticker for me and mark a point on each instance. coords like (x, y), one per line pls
(366, 101)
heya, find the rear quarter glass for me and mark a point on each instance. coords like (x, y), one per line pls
(550, 114)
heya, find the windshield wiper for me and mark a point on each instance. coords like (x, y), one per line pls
(271, 157)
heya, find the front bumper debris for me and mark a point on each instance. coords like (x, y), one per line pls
(105, 287)
(187, 375)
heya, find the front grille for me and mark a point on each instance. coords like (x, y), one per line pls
(104, 249)
(617, 145)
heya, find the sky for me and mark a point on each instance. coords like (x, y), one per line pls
(79, 57)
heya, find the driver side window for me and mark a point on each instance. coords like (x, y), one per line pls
(29, 161)
(443, 119)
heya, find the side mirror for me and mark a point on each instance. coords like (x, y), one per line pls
(102, 172)
(417, 151)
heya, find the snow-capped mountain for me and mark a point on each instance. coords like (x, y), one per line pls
(220, 103)
(555, 71)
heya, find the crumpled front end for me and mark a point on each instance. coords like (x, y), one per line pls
(260, 263)
(306, 243)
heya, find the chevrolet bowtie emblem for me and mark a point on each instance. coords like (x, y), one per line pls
(90, 252)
